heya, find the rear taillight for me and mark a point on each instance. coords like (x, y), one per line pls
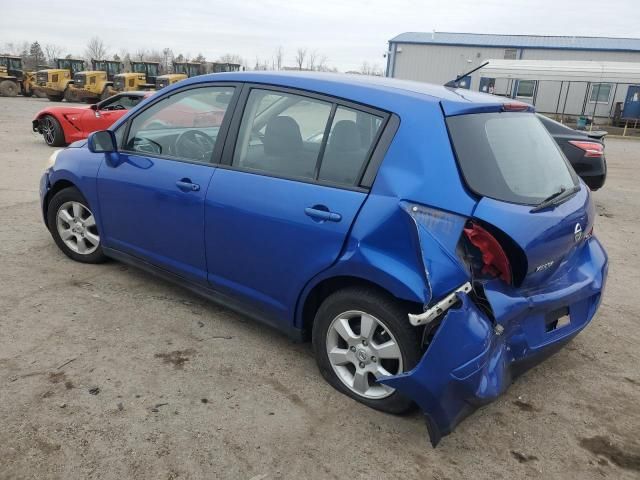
(591, 149)
(494, 259)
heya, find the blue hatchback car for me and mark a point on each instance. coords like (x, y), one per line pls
(431, 242)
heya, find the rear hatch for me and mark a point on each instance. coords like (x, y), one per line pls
(530, 198)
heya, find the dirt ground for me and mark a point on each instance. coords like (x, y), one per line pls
(107, 372)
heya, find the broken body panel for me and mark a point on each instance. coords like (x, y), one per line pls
(473, 358)
(486, 337)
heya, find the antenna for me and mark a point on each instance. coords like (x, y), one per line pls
(454, 83)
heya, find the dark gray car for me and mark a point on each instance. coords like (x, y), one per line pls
(585, 151)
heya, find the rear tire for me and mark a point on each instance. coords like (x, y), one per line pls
(52, 131)
(55, 98)
(373, 320)
(9, 88)
(73, 227)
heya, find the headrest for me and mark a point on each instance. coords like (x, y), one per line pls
(345, 136)
(281, 135)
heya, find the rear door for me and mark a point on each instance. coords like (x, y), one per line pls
(279, 209)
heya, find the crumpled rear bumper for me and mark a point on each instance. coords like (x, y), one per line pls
(473, 358)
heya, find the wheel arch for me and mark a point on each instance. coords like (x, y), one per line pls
(313, 296)
(55, 188)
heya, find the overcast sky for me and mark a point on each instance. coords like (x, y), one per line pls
(348, 32)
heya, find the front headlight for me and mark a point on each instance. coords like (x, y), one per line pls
(52, 159)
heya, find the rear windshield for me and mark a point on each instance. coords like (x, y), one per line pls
(509, 156)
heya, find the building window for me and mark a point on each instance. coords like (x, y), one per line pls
(510, 53)
(600, 93)
(525, 88)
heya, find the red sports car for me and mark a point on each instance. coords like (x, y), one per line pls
(63, 125)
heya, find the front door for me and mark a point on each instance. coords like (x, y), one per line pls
(152, 196)
(279, 212)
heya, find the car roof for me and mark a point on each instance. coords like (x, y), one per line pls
(368, 88)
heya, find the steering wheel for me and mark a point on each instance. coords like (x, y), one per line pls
(194, 144)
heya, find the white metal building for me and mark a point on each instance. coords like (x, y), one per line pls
(438, 57)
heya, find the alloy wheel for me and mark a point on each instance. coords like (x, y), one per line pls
(77, 228)
(361, 350)
(48, 131)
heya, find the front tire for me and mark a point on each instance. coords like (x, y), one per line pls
(360, 335)
(9, 88)
(73, 227)
(52, 131)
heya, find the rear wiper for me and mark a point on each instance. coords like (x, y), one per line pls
(555, 198)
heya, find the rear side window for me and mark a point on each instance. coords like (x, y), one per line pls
(281, 134)
(348, 147)
(509, 157)
(295, 136)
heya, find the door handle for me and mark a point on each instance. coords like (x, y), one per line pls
(322, 213)
(186, 185)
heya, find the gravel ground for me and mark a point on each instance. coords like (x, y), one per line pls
(107, 372)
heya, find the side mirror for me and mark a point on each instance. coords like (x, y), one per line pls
(102, 142)
(94, 106)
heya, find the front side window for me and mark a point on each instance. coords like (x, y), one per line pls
(121, 102)
(600, 93)
(526, 88)
(184, 125)
(281, 134)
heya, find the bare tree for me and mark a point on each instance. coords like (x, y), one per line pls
(96, 49)
(322, 64)
(261, 64)
(139, 55)
(11, 48)
(311, 60)
(153, 56)
(232, 58)
(51, 52)
(370, 69)
(301, 54)
(167, 59)
(278, 58)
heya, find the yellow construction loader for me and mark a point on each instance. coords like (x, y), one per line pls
(95, 84)
(13, 79)
(181, 70)
(142, 77)
(54, 82)
(217, 67)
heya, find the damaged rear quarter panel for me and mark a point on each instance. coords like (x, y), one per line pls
(472, 359)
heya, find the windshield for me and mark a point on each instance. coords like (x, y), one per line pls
(509, 157)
